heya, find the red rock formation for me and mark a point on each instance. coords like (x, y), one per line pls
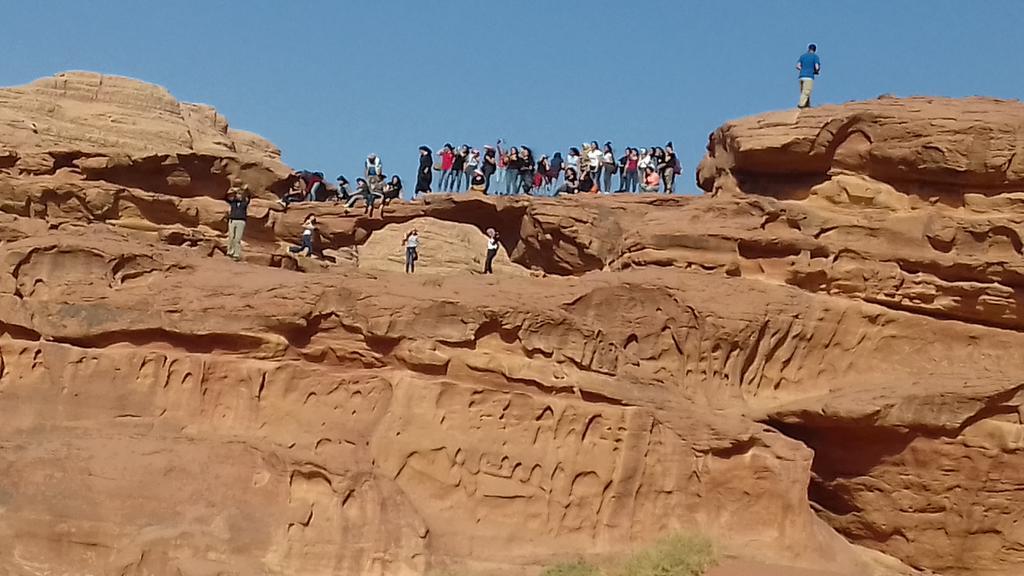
(665, 367)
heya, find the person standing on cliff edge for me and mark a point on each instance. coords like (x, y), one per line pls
(809, 66)
(238, 208)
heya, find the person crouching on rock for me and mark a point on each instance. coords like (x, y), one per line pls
(492, 250)
(308, 232)
(238, 209)
(478, 183)
(412, 244)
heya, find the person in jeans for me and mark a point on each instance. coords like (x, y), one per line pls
(492, 250)
(809, 66)
(630, 173)
(412, 244)
(607, 167)
(374, 170)
(512, 166)
(308, 231)
(447, 155)
(458, 167)
(238, 212)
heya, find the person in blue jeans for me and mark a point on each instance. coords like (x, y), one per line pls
(308, 231)
(412, 244)
(809, 66)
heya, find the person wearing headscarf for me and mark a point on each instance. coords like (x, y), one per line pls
(424, 175)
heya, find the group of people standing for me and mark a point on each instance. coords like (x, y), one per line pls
(510, 171)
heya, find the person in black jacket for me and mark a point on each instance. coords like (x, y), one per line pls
(526, 169)
(425, 175)
(489, 166)
(238, 212)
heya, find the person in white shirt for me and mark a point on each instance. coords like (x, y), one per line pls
(492, 250)
(308, 230)
(412, 244)
(645, 160)
(594, 157)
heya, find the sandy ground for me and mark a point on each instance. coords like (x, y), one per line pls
(741, 568)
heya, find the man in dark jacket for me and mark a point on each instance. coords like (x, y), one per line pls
(238, 209)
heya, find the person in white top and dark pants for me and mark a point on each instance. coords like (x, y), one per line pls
(492, 250)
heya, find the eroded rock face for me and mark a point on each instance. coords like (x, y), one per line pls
(914, 205)
(637, 366)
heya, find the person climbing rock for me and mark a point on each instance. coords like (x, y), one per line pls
(238, 211)
(308, 233)
(492, 250)
(412, 244)
(809, 66)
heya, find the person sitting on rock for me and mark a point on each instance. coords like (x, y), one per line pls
(365, 193)
(343, 192)
(308, 232)
(392, 191)
(571, 183)
(588, 183)
(652, 182)
(296, 193)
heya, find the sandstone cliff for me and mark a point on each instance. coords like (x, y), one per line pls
(817, 363)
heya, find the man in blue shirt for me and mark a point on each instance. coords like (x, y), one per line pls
(809, 66)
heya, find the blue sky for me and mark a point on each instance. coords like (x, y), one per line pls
(330, 81)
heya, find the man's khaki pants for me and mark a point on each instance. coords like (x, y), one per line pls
(235, 230)
(806, 85)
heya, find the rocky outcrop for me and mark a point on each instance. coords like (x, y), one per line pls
(914, 205)
(796, 371)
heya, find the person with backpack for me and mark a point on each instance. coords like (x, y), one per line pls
(238, 212)
(412, 245)
(492, 250)
(670, 168)
(374, 171)
(424, 175)
(809, 66)
(308, 232)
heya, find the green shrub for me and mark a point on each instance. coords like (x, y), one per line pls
(673, 556)
(572, 569)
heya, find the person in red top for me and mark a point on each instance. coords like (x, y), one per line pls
(447, 155)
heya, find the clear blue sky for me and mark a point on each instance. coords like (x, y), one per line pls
(330, 81)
